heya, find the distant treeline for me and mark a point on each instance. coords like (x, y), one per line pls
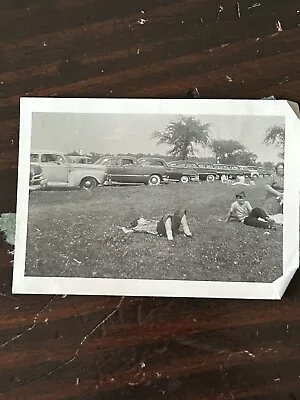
(202, 160)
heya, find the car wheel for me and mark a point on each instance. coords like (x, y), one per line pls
(210, 178)
(255, 176)
(88, 183)
(184, 179)
(154, 180)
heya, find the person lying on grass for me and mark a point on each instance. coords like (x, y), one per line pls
(168, 226)
(242, 211)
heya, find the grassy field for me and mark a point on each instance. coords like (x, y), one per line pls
(78, 234)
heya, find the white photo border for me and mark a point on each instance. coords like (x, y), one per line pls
(163, 288)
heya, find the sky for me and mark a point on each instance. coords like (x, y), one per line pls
(131, 133)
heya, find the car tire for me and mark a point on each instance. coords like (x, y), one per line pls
(154, 180)
(210, 178)
(184, 179)
(88, 183)
(255, 176)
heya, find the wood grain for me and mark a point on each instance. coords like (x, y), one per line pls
(133, 348)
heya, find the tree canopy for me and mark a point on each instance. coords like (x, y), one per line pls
(183, 135)
(275, 135)
(231, 152)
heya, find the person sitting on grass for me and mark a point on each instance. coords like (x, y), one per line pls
(242, 211)
(168, 226)
(224, 179)
(240, 180)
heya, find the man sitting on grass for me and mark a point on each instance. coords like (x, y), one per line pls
(242, 211)
(169, 225)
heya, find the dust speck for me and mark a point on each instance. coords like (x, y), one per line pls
(279, 26)
(254, 5)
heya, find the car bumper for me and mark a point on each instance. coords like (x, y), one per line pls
(38, 184)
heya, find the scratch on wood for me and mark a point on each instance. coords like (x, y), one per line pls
(8, 296)
(238, 10)
(31, 327)
(278, 26)
(254, 5)
(78, 349)
(86, 337)
(249, 354)
(221, 8)
(225, 380)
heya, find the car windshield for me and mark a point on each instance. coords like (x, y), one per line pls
(102, 161)
(68, 159)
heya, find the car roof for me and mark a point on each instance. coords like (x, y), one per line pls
(46, 151)
(134, 158)
(152, 158)
(180, 161)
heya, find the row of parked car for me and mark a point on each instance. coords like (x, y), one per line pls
(49, 168)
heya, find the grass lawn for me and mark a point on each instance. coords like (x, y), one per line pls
(77, 234)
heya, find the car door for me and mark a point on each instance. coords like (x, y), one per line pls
(132, 172)
(55, 168)
(113, 168)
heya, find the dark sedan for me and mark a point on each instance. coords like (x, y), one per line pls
(232, 171)
(176, 174)
(204, 173)
(123, 169)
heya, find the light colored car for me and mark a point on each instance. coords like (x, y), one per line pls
(60, 171)
(81, 159)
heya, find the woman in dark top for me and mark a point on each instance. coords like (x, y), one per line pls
(275, 188)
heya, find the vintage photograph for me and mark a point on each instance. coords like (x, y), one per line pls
(152, 196)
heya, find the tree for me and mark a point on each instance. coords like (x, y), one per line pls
(182, 135)
(275, 135)
(245, 157)
(227, 151)
(268, 165)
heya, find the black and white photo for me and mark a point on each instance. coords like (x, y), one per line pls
(192, 198)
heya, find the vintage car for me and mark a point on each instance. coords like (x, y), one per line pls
(264, 172)
(81, 159)
(36, 178)
(123, 169)
(231, 171)
(249, 171)
(176, 174)
(60, 171)
(204, 173)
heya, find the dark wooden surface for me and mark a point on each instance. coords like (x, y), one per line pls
(144, 348)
